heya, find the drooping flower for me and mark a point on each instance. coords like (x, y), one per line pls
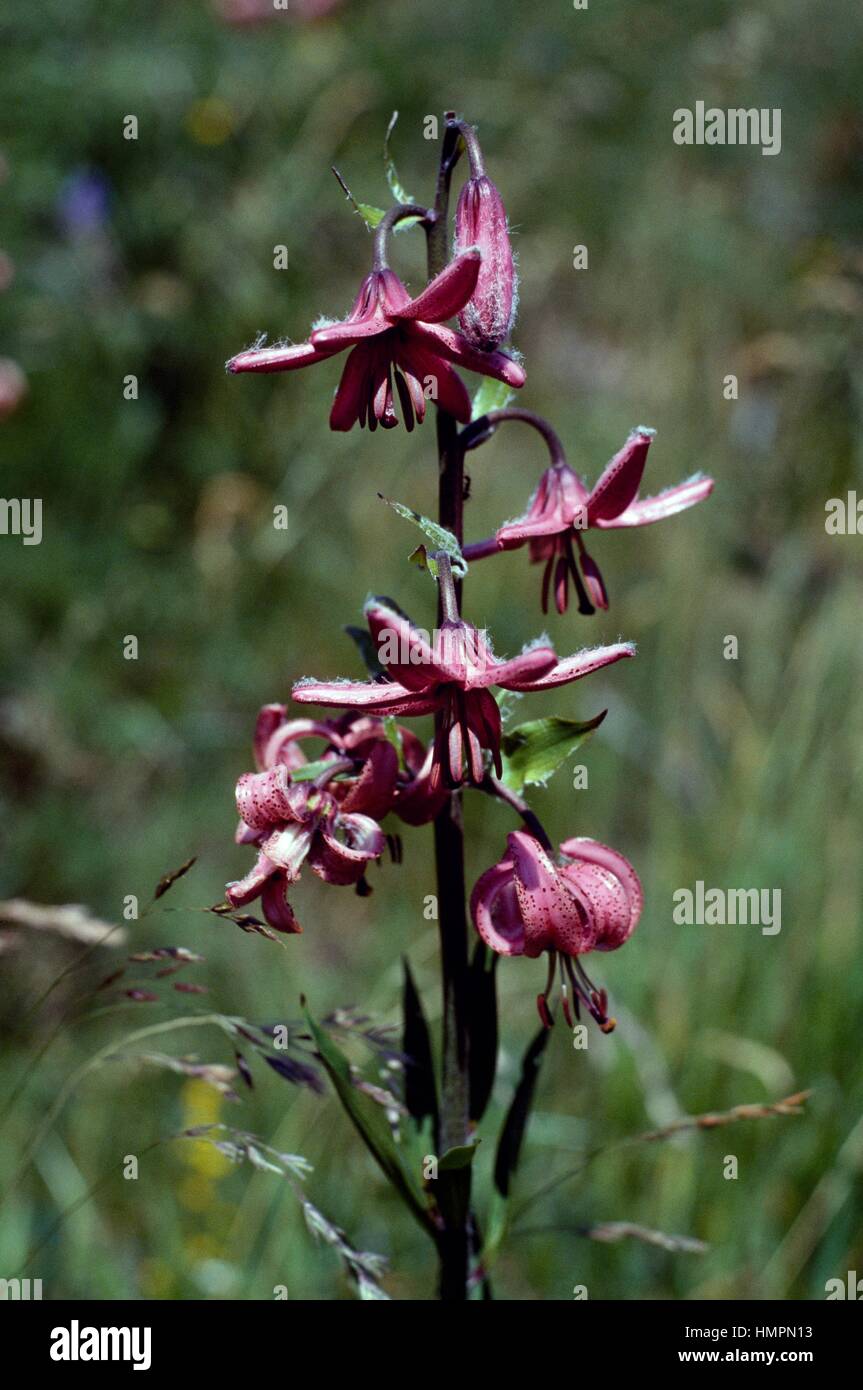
(330, 823)
(562, 508)
(294, 823)
(451, 672)
(527, 904)
(325, 812)
(399, 347)
(480, 221)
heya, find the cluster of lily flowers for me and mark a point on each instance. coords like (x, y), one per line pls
(326, 813)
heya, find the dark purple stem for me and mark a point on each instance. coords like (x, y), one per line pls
(471, 143)
(396, 214)
(530, 818)
(478, 431)
(453, 1243)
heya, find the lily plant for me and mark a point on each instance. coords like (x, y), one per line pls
(322, 808)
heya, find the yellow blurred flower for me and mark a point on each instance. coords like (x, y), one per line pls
(210, 121)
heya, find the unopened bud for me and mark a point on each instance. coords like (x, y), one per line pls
(480, 221)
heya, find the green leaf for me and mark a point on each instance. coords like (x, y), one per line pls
(395, 186)
(309, 771)
(394, 736)
(532, 752)
(491, 395)
(370, 215)
(370, 1123)
(440, 537)
(462, 1156)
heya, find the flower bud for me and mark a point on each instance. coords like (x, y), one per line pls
(480, 221)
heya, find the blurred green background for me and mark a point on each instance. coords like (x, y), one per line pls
(155, 258)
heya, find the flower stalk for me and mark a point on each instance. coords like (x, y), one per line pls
(454, 1241)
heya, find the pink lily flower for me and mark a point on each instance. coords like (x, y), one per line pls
(399, 342)
(331, 824)
(451, 673)
(416, 801)
(526, 904)
(295, 823)
(562, 508)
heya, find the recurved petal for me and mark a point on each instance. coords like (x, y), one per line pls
(374, 790)
(269, 719)
(263, 798)
(572, 668)
(620, 479)
(275, 905)
(245, 890)
(545, 904)
(608, 887)
(446, 342)
(288, 848)
(283, 745)
(341, 853)
(379, 697)
(530, 666)
(417, 802)
(447, 293)
(404, 649)
(278, 359)
(495, 912)
(674, 499)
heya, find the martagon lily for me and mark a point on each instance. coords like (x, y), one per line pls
(328, 823)
(396, 342)
(527, 904)
(562, 508)
(451, 672)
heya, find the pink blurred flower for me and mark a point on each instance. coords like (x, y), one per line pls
(562, 508)
(260, 11)
(451, 673)
(396, 342)
(13, 387)
(526, 904)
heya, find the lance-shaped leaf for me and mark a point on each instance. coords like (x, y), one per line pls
(482, 1028)
(510, 1142)
(512, 1133)
(420, 1089)
(532, 752)
(441, 539)
(393, 180)
(371, 1124)
(309, 771)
